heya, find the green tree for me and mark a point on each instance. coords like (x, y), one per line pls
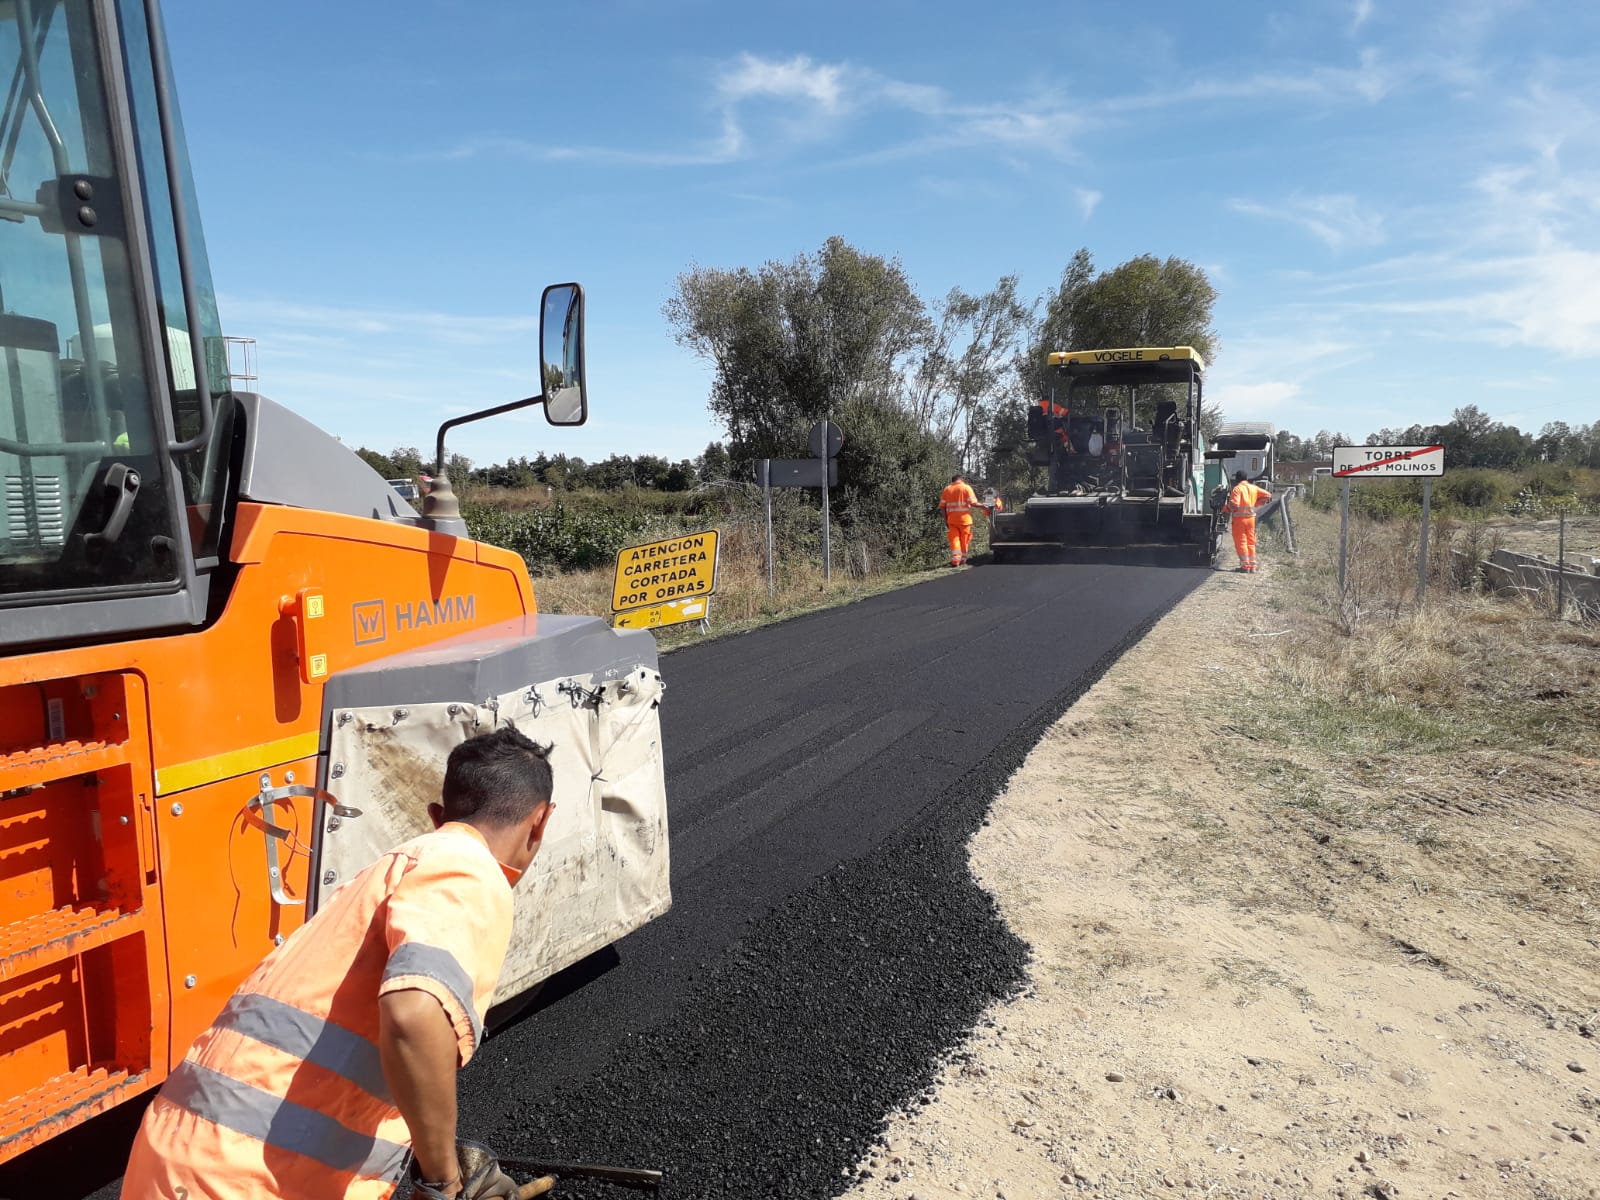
(713, 464)
(835, 333)
(378, 462)
(793, 341)
(965, 365)
(1554, 442)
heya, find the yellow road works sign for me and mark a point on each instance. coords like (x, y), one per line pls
(673, 612)
(675, 568)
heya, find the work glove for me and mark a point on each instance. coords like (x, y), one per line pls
(481, 1176)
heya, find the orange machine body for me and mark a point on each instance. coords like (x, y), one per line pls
(134, 875)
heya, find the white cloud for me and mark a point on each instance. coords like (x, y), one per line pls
(1088, 201)
(1253, 401)
(795, 78)
(1514, 261)
(298, 323)
(1547, 300)
(1338, 221)
(1370, 80)
(1361, 15)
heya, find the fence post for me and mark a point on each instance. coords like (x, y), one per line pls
(1561, 568)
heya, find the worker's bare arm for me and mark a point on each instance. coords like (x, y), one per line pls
(420, 1053)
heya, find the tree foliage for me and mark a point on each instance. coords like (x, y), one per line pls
(1146, 301)
(966, 365)
(836, 334)
(791, 342)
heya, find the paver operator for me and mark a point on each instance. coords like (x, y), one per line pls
(1243, 503)
(336, 1060)
(957, 502)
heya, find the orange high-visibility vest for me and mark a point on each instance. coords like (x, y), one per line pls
(284, 1095)
(1244, 500)
(958, 500)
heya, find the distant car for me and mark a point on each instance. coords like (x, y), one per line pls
(408, 489)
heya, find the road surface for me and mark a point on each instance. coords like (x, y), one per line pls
(825, 942)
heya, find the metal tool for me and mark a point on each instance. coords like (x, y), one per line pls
(622, 1176)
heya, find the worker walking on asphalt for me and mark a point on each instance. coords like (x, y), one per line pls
(1244, 501)
(336, 1059)
(957, 502)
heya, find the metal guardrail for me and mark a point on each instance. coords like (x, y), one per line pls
(1279, 506)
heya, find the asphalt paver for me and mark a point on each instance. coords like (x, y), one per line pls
(827, 945)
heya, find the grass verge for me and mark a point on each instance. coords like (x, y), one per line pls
(743, 601)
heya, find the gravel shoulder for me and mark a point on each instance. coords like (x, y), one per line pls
(1262, 968)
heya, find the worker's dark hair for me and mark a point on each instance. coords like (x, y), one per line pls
(496, 779)
(1238, 476)
(956, 477)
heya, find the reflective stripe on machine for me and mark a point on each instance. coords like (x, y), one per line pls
(180, 777)
(430, 962)
(297, 1032)
(282, 1123)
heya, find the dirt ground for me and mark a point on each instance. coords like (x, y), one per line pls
(1264, 968)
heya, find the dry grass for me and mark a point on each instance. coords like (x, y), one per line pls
(1376, 669)
(1440, 756)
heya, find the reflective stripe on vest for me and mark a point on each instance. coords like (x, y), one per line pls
(282, 1124)
(430, 962)
(308, 1037)
(957, 507)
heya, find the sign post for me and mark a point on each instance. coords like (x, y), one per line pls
(766, 496)
(1344, 531)
(826, 439)
(1387, 462)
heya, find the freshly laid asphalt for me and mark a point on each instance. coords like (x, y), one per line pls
(826, 943)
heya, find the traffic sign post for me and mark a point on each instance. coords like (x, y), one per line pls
(765, 471)
(820, 471)
(826, 439)
(1387, 462)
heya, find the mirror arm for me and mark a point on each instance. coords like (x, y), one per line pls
(438, 453)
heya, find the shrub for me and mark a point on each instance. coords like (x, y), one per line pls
(1477, 489)
(559, 537)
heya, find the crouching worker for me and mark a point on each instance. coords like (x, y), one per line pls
(336, 1060)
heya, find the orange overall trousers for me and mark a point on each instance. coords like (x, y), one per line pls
(1243, 502)
(958, 500)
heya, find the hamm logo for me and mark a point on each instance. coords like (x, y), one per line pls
(447, 610)
(369, 622)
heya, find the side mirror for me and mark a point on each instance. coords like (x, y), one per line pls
(565, 392)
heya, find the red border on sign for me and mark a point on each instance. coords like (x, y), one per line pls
(1384, 462)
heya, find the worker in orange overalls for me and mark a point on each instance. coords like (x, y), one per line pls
(957, 502)
(335, 1062)
(1243, 502)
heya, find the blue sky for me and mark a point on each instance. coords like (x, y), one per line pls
(1399, 203)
